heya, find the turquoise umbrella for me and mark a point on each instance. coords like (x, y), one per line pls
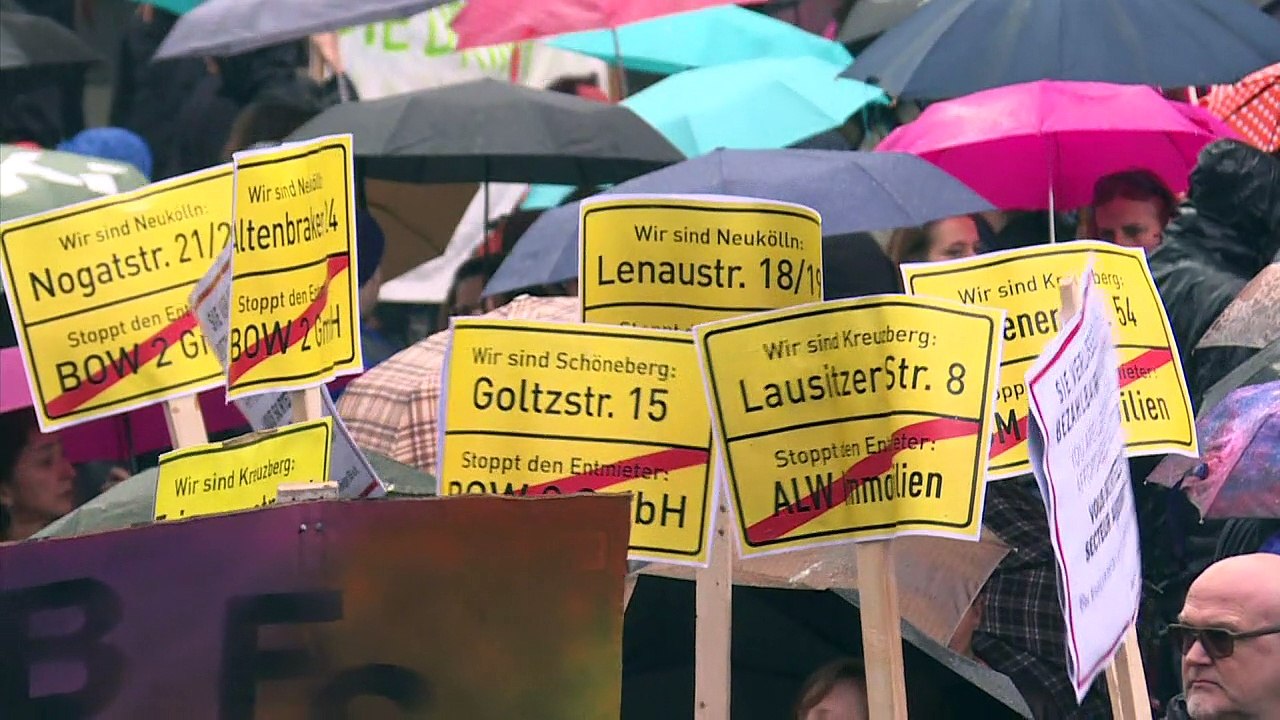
(751, 105)
(541, 197)
(714, 36)
(177, 7)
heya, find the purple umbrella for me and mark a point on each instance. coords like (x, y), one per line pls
(1236, 475)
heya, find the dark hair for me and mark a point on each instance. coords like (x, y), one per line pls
(908, 245)
(568, 84)
(482, 267)
(16, 429)
(824, 679)
(268, 120)
(1139, 185)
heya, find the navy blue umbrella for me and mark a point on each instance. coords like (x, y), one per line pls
(950, 48)
(852, 191)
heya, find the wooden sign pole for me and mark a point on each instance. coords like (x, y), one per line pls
(307, 404)
(185, 422)
(881, 631)
(1126, 681)
(713, 639)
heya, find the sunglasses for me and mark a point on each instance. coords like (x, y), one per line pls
(1217, 643)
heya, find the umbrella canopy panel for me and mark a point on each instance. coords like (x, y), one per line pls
(495, 131)
(231, 27)
(715, 36)
(953, 47)
(30, 40)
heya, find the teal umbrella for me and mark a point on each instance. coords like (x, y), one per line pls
(541, 197)
(177, 7)
(751, 105)
(714, 36)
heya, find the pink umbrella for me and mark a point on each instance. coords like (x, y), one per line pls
(118, 437)
(1036, 145)
(1207, 121)
(490, 22)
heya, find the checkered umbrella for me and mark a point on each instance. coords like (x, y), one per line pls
(1251, 106)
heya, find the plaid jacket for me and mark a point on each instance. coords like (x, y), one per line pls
(1022, 633)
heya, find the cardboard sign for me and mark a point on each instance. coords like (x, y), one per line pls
(98, 293)
(1077, 454)
(348, 466)
(535, 408)
(1154, 401)
(859, 419)
(671, 261)
(241, 473)
(372, 610)
(295, 310)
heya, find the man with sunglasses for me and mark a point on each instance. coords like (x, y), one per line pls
(1229, 635)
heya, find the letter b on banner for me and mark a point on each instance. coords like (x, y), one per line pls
(24, 649)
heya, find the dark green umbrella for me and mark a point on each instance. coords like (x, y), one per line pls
(30, 40)
(33, 181)
(131, 502)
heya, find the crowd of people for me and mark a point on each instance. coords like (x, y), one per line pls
(1210, 617)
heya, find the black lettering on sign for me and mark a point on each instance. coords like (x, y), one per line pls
(244, 665)
(406, 688)
(20, 651)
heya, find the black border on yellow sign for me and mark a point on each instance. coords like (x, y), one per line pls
(1186, 441)
(573, 329)
(582, 249)
(984, 425)
(15, 302)
(351, 252)
(262, 436)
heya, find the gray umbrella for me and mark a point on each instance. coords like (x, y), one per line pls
(852, 191)
(217, 28)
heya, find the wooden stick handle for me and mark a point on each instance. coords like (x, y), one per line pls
(185, 422)
(713, 647)
(881, 631)
(307, 404)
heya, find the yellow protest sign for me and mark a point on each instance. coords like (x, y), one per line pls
(671, 261)
(294, 289)
(535, 408)
(859, 419)
(98, 292)
(241, 473)
(1154, 402)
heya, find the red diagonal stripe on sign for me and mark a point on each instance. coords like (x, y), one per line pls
(118, 368)
(1131, 371)
(668, 460)
(878, 463)
(254, 354)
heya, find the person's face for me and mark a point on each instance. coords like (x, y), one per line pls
(1130, 223)
(42, 488)
(953, 238)
(467, 300)
(846, 701)
(1245, 684)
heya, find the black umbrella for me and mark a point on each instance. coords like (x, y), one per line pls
(28, 41)
(779, 637)
(492, 131)
(955, 47)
